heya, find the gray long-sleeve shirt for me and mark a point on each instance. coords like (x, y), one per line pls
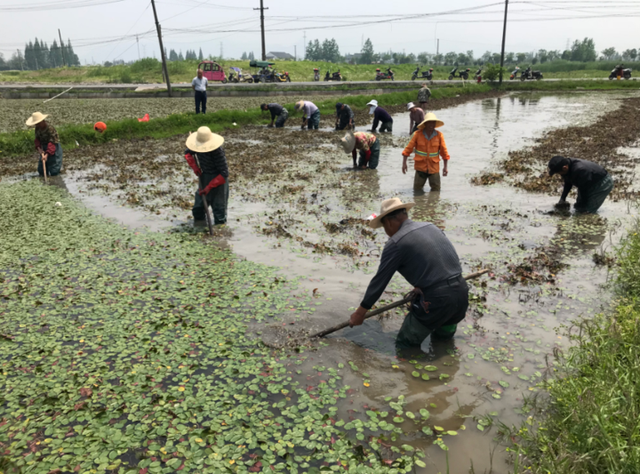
(421, 253)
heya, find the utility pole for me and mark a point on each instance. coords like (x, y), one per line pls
(438, 47)
(138, 41)
(504, 37)
(221, 51)
(262, 9)
(295, 52)
(61, 47)
(164, 59)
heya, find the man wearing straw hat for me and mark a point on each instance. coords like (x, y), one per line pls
(310, 114)
(206, 157)
(426, 258)
(47, 144)
(368, 145)
(429, 145)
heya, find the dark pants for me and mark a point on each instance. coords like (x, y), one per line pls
(54, 163)
(385, 127)
(282, 118)
(217, 199)
(344, 123)
(589, 201)
(201, 99)
(375, 156)
(314, 121)
(420, 179)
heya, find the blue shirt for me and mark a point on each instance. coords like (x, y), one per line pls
(200, 84)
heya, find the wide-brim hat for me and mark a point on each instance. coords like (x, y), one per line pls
(348, 142)
(410, 105)
(204, 140)
(387, 207)
(373, 103)
(35, 119)
(299, 105)
(430, 117)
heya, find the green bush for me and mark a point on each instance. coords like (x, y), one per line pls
(491, 72)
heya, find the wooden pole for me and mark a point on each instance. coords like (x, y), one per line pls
(504, 37)
(61, 48)
(262, 9)
(162, 55)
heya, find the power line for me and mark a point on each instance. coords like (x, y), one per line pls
(62, 5)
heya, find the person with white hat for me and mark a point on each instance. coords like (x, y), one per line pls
(310, 114)
(47, 144)
(368, 145)
(416, 117)
(426, 258)
(380, 116)
(429, 145)
(206, 157)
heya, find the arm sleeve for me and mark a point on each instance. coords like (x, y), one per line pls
(411, 146)
(37, 143)
(351, 114)
(375, 121)
(444, 153)
(273, 114)
(388, 265)
(51, 149)
(565, 191)
(222, 165)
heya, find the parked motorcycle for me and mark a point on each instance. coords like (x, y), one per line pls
(236, 75)
(336, 76)
(281, 77)
(381, 76)
(428, 75)
(316, 74)
(414, 75)
(620, 71)
(529, 74)
(463, 75)
(514, 73)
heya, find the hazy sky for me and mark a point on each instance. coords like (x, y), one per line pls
(102, 30)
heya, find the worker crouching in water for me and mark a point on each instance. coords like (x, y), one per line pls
(367, 144)
(426, 258)
(429, 145)
(47, 144)
(344, 117)
(310, 114)
(206, 157)
(279, 114)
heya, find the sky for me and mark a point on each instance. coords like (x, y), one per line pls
(105, 30)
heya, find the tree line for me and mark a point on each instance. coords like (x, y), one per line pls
(38, 55)
(190, 54)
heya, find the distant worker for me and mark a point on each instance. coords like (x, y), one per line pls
(47, 144)
(199, 84)
(594, 183)
(423, 96)
(279, 114)
(367, 144)
(429, 145)
(344, 117)
(426, 258)
(206, 157)
(416, 117)
(380, 116)
(310, 114)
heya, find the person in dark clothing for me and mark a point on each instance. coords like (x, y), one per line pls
(422, 254)
(594, 183)
(279, 114)
(344, 117)
(206, 157)
(199, 85)
(47, 144)
(380, 116)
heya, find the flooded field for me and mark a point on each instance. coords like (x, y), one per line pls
(297, 204)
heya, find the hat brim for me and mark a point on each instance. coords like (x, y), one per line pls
(377, 222)
(31, 123)
(203, 147)
(439, 123)
(349, 144)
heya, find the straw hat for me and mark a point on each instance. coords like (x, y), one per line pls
(204, 140)
(348, 142)
(387, 207)
(410, 105)
(430, 117)
(35, 119)
(299, 105)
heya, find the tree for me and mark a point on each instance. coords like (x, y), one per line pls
(366, 53)
(543, 56)
(200, 55)
(630, 54)
(330, 51)
(583, 51)
(510, 58)
(180, 56)
(521, 57)
(251, 56)
(450, 59)
(173, 56)
(438, 58)
(609, 53)
(425, 58)
(244, 56)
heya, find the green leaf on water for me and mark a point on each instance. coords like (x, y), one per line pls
(426, 430)
(425, 377)
(504, 384)
(430, 368)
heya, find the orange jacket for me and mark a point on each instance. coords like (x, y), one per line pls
(428, 152)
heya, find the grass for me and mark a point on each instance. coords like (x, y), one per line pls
(591, 422)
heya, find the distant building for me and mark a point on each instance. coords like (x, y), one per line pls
(352, 58)
(280, 56)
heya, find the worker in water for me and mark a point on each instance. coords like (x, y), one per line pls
(310, 114)
(416, 117)
(429, 145)
(206, 157)
(367, 144)
(594, 183)
(380, 116)
(279, 114)
(423, 96)
(426, 258)
(344, 117)
(47, 144)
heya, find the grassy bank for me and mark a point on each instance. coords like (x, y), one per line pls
(591, 422)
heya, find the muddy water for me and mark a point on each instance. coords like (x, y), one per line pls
(543, 274)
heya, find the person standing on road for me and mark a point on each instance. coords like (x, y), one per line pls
(279, 114)
(423, 96)
(199, 84)
(344, 117)
(426, 258)
(594, 183)
(368, 145)
(310, 114)
(206, 158)
(429, 145)
(416, 117)
(380, 116)
(47, 144)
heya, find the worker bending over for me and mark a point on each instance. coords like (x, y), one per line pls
(367, 144)
(380, 116)
(279, 114)
(47, 144)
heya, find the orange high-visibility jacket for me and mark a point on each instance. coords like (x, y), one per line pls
(428, 152)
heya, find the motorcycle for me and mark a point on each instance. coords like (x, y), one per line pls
(414, 75)
(514, 74)
(620, 71)
(428, 75)
(529, 74)
(478, 73)
(284, 77)
(336, 76)
(316, 74)
(240, 77)
(463, 75)
(381, 76)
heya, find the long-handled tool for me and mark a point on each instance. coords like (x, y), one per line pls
(44, 165)
(370, 314)
(207, 211)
